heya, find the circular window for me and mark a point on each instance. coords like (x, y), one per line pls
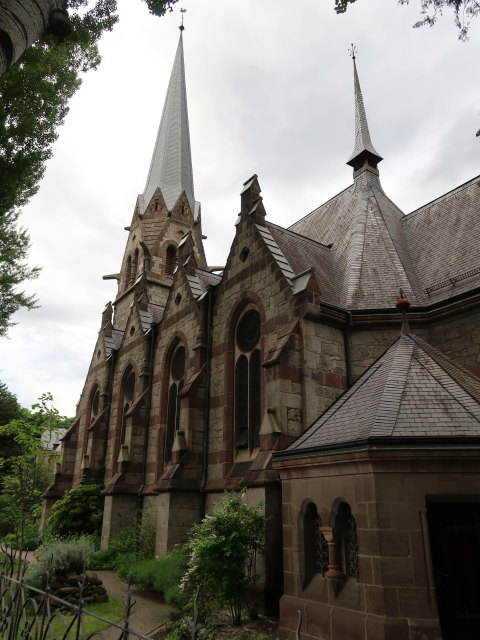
(248, 330)
(178, 363)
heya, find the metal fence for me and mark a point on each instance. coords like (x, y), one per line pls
(28, 613)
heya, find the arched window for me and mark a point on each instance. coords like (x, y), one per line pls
(170, 260)
(175, 385)
(247, 381)
(94, 404)
(127, 399)
(346, 539)
(314, 544)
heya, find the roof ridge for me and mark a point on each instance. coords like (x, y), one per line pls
(320, 206)
(446, 389)
(449, 366)
(299, 235)
(394, 388)
(446, 195)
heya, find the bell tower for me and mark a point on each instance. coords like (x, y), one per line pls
(166, 210)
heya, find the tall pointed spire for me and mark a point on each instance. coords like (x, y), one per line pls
(364, 151)
(171, 166)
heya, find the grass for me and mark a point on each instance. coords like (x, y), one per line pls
(112, 610)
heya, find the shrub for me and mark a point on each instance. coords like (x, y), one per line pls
(159, 574)
(60, 556)
(78, 512)
(222, 554)
(102, 560)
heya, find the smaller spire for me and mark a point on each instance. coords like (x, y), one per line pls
(364, 152)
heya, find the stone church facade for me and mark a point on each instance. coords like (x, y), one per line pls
(204, 380)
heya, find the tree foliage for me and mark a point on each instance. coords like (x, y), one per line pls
(9, 406)
(28, 464)
(430, 10)
(78, 512)
(222, 554)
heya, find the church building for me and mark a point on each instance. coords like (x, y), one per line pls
(290, 372)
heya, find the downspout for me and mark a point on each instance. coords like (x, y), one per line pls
(348, 356)
(113, 360)
(153, 337)
(206, 427)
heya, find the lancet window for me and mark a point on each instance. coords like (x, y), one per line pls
(175, 385)
(315, 544)
(94, 404)
(347, 542)
(128, 396)
(247, 380)
(170, 260)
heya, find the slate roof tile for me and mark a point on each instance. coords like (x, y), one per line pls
(412, 390)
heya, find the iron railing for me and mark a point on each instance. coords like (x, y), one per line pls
(26, 616)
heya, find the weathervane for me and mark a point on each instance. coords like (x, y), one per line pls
(353, 51)
(182, 11)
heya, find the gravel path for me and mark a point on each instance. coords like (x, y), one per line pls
(149, 612)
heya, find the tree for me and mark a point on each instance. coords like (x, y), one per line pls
(14, 245)
(28, 465)
(463, 10)
(9, 406)
(34, 97)
(222, 554)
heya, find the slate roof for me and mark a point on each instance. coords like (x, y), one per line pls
(154, 313)
(276, 252)
(113, 341)
(432, 253)
(171, 165)
(444, 242)
(369, 254)
(412, 391)
(304, 253)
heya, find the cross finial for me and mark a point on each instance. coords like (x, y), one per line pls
(182, 11)
(353, 51)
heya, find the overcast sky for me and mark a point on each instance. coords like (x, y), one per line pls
(270, 91)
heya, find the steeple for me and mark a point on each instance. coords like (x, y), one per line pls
(171, 165)
(363, 152)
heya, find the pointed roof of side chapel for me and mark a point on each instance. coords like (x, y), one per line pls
(171, 165)
(411, 393)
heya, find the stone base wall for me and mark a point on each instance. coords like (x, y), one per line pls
(119, 511)
(177, 512)
(394, 596)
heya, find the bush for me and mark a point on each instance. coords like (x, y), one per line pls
(60, 556)
(30, 538)
(222, 554)
(78, 512)
(102, 560)
(159, 574)
(128, 547)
